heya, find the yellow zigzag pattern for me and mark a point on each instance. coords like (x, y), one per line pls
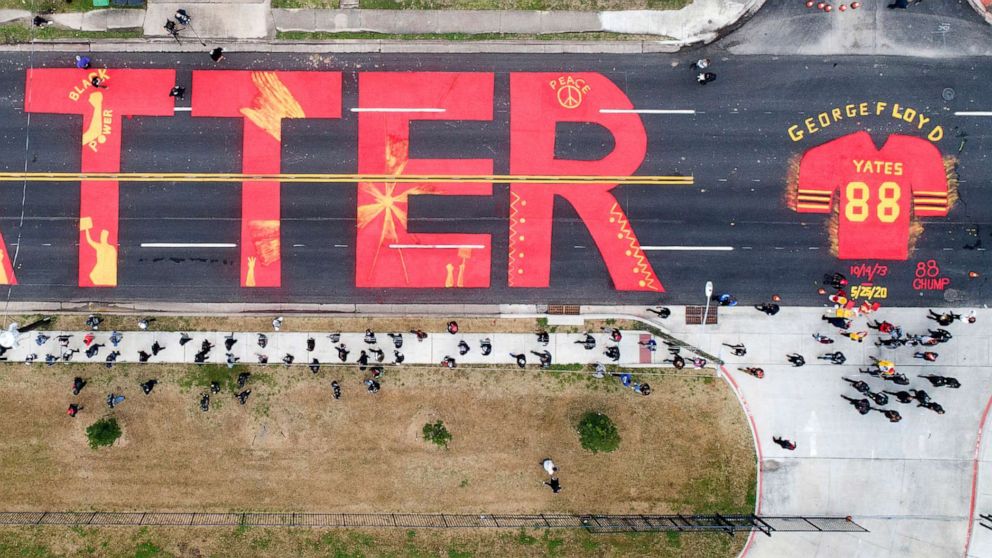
(514, 199)
(635, 248)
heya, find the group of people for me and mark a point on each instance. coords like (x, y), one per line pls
(889, 336)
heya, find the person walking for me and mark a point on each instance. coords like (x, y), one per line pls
(928, 356)
(343, 352)
(822, 339)
(486, 346)
(662, 312)
(463, 348)
(901, 396)
(73, 410)
(784, 443)
(554, 484)
(796, 359)
(520, 358)
(549, 466)
(178, 91)
(588, 342)
(857, 336)
(739, 349)
(398, 357)
(544, 357)
(945, 319)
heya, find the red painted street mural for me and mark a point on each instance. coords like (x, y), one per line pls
(263, 100)
(876, 197)
(102, 97)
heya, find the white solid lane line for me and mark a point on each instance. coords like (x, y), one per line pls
(973, 113)
(647, 111)
(188, 245)
(688, 248)
(183, 109)
(386, 109)
(473, 246)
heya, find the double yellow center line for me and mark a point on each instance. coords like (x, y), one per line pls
(336, 178)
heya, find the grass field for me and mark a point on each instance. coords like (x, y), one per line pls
(685, 449)
(51, 542)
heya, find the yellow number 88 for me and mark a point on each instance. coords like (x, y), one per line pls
(857, 195)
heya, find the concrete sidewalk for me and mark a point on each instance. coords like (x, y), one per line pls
(565, 348)
(909, 483)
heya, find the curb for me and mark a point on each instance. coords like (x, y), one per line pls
(980, 8)
(357, 46)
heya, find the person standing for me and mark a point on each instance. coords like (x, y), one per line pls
(549, 466)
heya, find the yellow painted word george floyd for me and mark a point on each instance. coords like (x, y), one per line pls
(824, 119)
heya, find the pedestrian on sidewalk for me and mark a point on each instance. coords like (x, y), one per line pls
(942, 381)
(378, 353)
(363, 360)
(334, 337)
(928, 356)
(397, 340)
(39, 21)
(184, 338)
(588, 343)
(891, 414)
(449, 362)
(972, 317)
(882, 327)
(863, 406)
(369, 338)
(739, 349)
(398, 357)
(756, 372)
(87, 339)
(421, 334)
(544, 357)
(520, 358)
(157, 348)
(822, 339)
(941, 335)
(311, 344)
(41, 339)
(796, 359)
(315, 365)
(921, 396)
(94, 349)
(650, 344)
(613, 353)
(115, 338)
(901, 4)
(112, 358)
(784, 443)
(143, 356)
(901, 396)
(662, 312)
(463, 348)
(945, 319)
(288, 359)
(769, 308)
(82, 62)
(343, 352)
(217, 54)
(549, 466)
(933, 406)
(890, 343)
(837, 321)
(231, 360)
(543, 338)
(837, 358)
(615, 334)
(857, 336)
(486, 345)
(262, 359)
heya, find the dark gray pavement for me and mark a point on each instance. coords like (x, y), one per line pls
(736, 146)
(929, 28)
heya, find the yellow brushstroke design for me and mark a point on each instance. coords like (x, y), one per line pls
(273, 103)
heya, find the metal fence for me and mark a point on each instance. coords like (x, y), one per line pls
(594, 523)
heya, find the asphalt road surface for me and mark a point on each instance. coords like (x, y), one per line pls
(732, 226)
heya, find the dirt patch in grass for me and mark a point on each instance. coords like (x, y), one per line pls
(153, 542)
(294, 448)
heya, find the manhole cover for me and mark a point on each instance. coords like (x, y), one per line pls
(948, 94)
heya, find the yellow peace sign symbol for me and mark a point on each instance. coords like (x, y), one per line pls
(569, 96)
